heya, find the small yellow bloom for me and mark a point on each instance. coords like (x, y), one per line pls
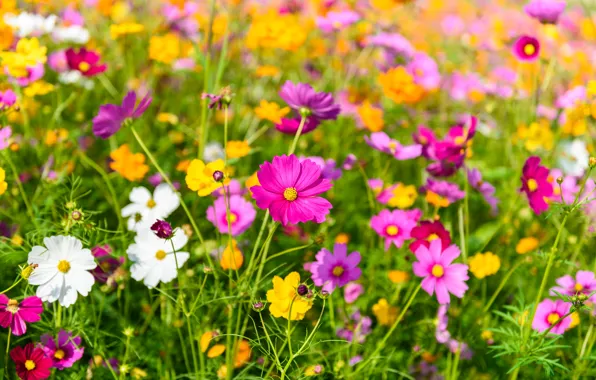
(399, 86)
(237, 149)
(283, 299)
(251, 181)
(403, 197)
(28, 52)
(436, 200)
(314, 370)
(3, 184)
(138, 373)
(536, 136)
(484, 264)
(527, 244)
(231, 257)
(271, 111)
(183, 165)
(199, 177)
(222, 372)
(267, 71)
(342, 238)
(385, 313)
(165, 48)
(170, 118)
(129, 165)
(38, 88)
(17, 240)
(55, 136)
(275, 31)
(372, 117)
(398, 276)
(119, 30)
(486, 335)
(574, 319)
(206, 339)
(6, 36)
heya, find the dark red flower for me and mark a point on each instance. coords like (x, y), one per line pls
(31, 362)
(428, 231)
(85, 61)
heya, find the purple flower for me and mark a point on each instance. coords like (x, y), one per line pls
(104, 272)
(545, 11)
(526, 48)
(162, 229)
(64, 351)
(333, 270)
(349, 162)
(441, 333)
(155, 179)
(306, 101)
(329, 170)
(355, 360)
(290, 126)
(356, 328)
(382, 142)
(352, 291)
(337, 20)
(445, 189)
(111, 116)
(394, 43)
(486, 189)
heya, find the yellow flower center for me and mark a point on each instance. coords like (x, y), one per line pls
(459, 140)
(392, 230)
(432, 237)
(529, 49)
(392, 146)
(160, 255)
(84, 67)
(438, 271)
(59, 354)
(290, 194)
(552, 318)
(532, 184)
(12, 306)
(578, 287)
(63, 266)
(233, 218)
(30, 365)
(338, 271)
(151, 203)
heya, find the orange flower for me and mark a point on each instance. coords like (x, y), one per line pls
(372, 117)
(232, 257)
(242, 353)
(129, 165)
(399, 86)
(436, 200)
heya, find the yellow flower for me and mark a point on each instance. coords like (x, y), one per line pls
(574, 319)
(38, 88)
(399, 86)
(536, 136)
(436, 200)
(398, 276)
(55, 136)
(267, 71)
(527, 244)
(183, 165)
(314, 370)
(231, 257)
(274, 31)
(283, 299)
(164, 49)
(138, 373)
(28, 52)
(591, 88)
(17, 240)
(271, 111)
(251, 181)
(3, 184)
(129, 165)
(118, 30)
(575, 121)
(484, 264)
(486, 335)
(403, 197)
(170, 118)
(372, 117)
(199, 177)
(385, 5)
(237, 149)
(385, 313)
(216, 351)
(342, 238)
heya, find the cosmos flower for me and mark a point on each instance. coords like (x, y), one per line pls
(536, 185)
(62, 272)
(566, 191)
(290, 188)
(329, 169)
(335, 270)
(573, 158)
(285, 298)
(16, 315)
(5, 134)
(584, 283)
(484, 264)
(231, 257)
(111, 117)
(31, 362)
(447, 190)
(428, 231)
(548, 313)
(290, 126)
(526, 48)
(303, 99)
(382, 142)
(7, 99)
(545, 11)
(440, 275)
(146, 208)
(242, 214)
(395, 226)
(64, 351)
(84, 61)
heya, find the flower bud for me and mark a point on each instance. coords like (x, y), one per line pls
(592, 162)
(559, 180)
(258, 306)
(162, 229)
(302, 290)
(218, 176)
(324, 294)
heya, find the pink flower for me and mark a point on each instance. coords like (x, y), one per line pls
(568, 188)
(395, 226)
(440, 275)
(64, 351)
(548, 313)
(545, 11)
(382, 142)
(337, 20)
(85, 61)
(5, 134)
(14, 314)
(536, 185)
(526, 48)
(242, 214)
(290, 126)
(352, 291)
(584, 283)
(290, 188)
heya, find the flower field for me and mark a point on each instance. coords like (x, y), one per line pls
(284, 189)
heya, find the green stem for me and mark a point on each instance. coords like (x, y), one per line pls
(501, 285)
(21, 190)
(12, 286)
(7, 351)
(297, 136)
(192, 348)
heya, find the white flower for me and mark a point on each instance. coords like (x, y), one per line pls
(154, 258)
(73, 33)
(30, 24)
(145, 208)
(213, 151)
(574, 157)
(75, 77)
(62, 270)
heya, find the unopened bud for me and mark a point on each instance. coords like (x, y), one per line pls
(218, 176)
(559, 180)
(324, 294)
(592, 162)
(302, 290)
(258, 306)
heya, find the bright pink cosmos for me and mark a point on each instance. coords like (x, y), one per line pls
(7, 99)
(110, 117)
(545, 11)
(548, 313)
(584, 283)
(335, 270)
(536, 185)
(526, 48)
(428, 231)
(242, 214)
(382, 142)
(425, 71)
(290, 188)
(426, 137)
(64, 351)
(439, 272)
(31, 362)
(85, 61)
(395, 226)
(16, 315)
(290, 126)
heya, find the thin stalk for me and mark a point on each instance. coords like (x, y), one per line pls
(21, 190)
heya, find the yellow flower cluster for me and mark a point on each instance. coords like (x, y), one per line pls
(28, 52)
(484, 264)
(165, 48)
(399, 86)
(3, 184)
(237, 149)
(271, 111)
(129, 165)
(285, 301)
(125, 28)
(274, 31)
(527, 244)
(199, 177)
(537, 135)
(403, 197)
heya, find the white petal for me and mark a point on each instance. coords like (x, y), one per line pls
(168, 269)
(80, 280)
(179, 239)
(84, 260)
(50, 291)
(131, 209)
(153, 276)
(68, 296)
(38, 255)
(43, 273)
(139, 195)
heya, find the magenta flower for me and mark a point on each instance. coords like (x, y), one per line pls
(536, 185)
(428, 231)
(335, 270)
(58, 61)
(352, 291)
(526, 48)
(425, 71)
(486, 189)
(16, 315)
(548, 313)
(329, 169)
(290, 188)
(395, 226)
(584, 283)
(84, 61)
(5, 134)
(108, 265)
(242, 214)
(306, 101)
(232, 188)
(337, 20)
(445, 189)
(162, 229)
(426, 137)
(7, 99)
(545, 11)
(290, 126)
(64, 351)
(439, 272)
(382, 142)
(110, 117)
